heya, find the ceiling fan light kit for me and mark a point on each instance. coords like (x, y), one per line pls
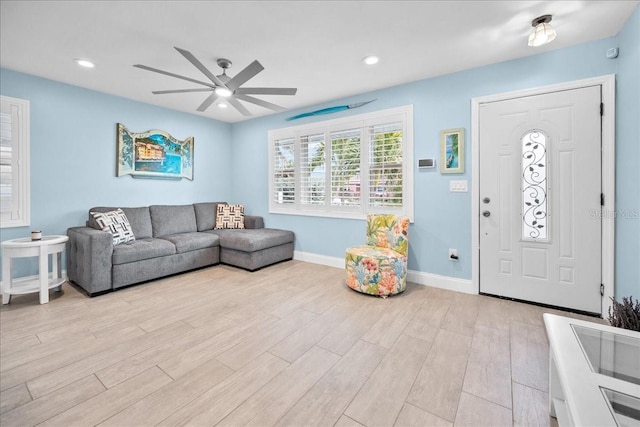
(223, 91)
(223, 86)
(542, 32)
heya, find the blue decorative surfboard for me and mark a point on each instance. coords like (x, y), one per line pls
(329, 110)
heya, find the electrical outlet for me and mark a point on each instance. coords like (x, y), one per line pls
(453, 255)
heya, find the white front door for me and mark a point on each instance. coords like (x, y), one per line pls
(540, 198)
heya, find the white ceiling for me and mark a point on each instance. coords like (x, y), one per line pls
(316, 46)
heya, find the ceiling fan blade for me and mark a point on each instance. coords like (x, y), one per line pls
(260, 102)
(266, 90)
(243, 76)
(238, 106)
(204, 70)
(177, 76)
(162, 92)
(207, 102)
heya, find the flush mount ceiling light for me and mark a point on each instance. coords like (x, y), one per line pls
(84, 63)
(542, 32)
(371, 60)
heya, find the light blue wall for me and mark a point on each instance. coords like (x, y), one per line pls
(628, 160)
(73, 153)
(442, 218)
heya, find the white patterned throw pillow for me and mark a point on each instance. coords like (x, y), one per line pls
(116, 223)
(230, 217)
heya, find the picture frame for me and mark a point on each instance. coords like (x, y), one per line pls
(154, 154)
(452, 151)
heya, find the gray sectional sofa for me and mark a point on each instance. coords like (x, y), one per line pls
(169, 239)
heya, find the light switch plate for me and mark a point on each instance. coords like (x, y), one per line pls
(458, 186)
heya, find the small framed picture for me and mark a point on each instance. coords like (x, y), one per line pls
(452, 151)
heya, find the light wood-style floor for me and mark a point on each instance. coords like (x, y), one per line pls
(289, 345)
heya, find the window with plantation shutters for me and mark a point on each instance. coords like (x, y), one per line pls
(346, 167)
(385, 165)
(14, 163)
(283, 192)
(312, 172)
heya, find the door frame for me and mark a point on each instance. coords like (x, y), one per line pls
(608, 175)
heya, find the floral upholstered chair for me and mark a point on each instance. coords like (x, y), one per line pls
(380, 266)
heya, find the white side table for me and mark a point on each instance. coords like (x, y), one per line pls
(25, 247)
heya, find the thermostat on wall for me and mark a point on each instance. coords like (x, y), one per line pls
(426, 163)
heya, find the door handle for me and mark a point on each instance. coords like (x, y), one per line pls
(486, 213)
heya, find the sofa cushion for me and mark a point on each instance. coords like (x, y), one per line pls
(206, 215)
(230, 217)
(253, 240)
(172, 219)
(187, 242)
(116, 223)
(139, 219)
(253, 221)
(141, 249)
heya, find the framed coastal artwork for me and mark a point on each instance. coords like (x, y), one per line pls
(154, 154)
(452, 151)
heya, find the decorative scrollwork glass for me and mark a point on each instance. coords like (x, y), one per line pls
(534, 186)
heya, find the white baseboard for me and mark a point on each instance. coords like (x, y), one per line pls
(418, 277)
(444, 282)
(319, 259)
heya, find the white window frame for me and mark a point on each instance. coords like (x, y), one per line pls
(20, 215)
(402, 114)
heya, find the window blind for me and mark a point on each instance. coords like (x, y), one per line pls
(312, 176)
(284, 172)
(6, 165)
(345, 167)
(14, 162)
(385, 165)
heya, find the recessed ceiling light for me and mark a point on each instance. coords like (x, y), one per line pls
(222, 105)
(371, 60)
(85, 63)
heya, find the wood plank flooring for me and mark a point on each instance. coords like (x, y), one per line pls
(289, 345)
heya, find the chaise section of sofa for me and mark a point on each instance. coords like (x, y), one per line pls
(169, 239)
(253, 249)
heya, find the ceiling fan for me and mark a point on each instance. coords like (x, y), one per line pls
(225, 87)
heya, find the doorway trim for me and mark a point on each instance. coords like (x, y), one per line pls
(608, 175)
